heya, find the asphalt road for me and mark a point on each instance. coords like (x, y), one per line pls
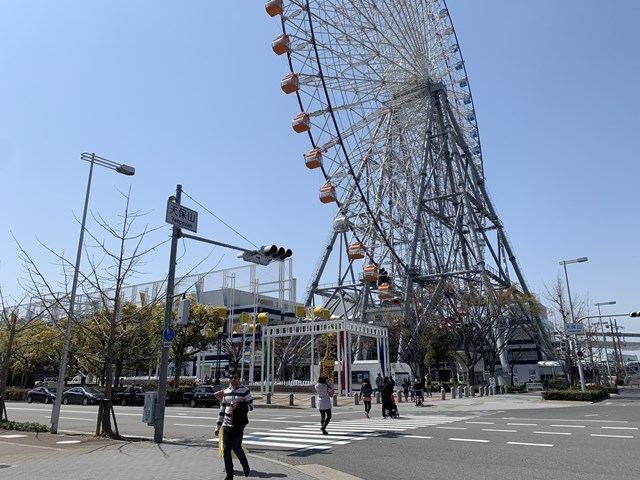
(594, 441)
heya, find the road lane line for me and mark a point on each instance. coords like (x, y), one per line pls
(482, 423)
(531, 444)
(611, 436)
(554, 433)
(476, 440)
(524, 424)
(498, 430)
(620, 428)
(453, 428)
(569, 426)
(417, 436)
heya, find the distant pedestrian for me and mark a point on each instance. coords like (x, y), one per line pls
(132, 395)
(236, 403)
(405, 389)
(386, 392)
(379, 381)
(324, 393)
(418, 387)
(427, 385)
(365, 394)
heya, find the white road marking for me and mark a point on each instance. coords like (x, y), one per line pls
(620, 428)
(498, 430)
(611, 436)
(482, 423)
(569, 426)
(531, 444)
(453, 428)
(14, 435)
(524, 424)
(65, 442)
(468, 440)
(417, 436)
(554, 433)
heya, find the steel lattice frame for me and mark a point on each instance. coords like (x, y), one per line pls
(391, 111)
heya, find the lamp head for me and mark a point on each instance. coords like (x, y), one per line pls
(126, 170)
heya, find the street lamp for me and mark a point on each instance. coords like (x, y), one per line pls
(573, 318)
(604, 338)
(93, 159)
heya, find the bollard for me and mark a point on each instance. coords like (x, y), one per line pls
(486, 391)
(443, 394)
(268, 399)
(466, 392)
(473, 390)
(291, 399)
(481, 388)
(400, 397)
(378, 398)
(335, 400)
(313, 401)
(356, 399)
(454, 390)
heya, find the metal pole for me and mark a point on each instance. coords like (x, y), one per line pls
(566, 276)
(604, 341)
(158, 425)
(55, 413)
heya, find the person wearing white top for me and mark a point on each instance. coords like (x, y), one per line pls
(323, 401)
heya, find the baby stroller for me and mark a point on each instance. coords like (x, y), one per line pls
(393, 410)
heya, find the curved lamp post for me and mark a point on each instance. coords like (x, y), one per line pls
(573, 318)
(93, 159)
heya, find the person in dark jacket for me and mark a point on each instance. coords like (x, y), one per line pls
(365, 394)
(386, 392)
(132, 395)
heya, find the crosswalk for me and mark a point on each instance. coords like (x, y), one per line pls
(308, 436)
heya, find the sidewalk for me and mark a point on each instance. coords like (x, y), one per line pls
(24, 456)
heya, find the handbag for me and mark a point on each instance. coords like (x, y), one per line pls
(239, 415)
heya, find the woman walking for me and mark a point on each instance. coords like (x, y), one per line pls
(365, 394)
(323, 400)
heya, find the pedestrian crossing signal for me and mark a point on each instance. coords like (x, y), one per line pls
(634, 314)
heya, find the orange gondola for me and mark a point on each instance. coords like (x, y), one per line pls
(280, 44)
(370, 273)
(301, 122)
(384, 291)
(274, 7)
(290, 83)
(328, 194)
(313, 159)
(356, 251)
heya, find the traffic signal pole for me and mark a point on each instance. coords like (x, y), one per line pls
(262, 256)
(158, 424)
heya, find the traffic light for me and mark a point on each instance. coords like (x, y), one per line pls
(634, 314)
(183, 311)
(266, 254)
(563, 346)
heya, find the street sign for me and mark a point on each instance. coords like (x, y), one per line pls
(181, 216)
(574, 329)
(168, 334)
(580, 353)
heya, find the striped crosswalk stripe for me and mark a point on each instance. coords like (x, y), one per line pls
(341, 432)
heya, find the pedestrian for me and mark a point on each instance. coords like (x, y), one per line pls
(365, 394)
(418, 387)
(324, 393)
(234, 407)
(132, 395)
(427, 385)
(386, 392)
(379, 381)
(405, 389)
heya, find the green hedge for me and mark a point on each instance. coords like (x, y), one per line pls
(16, 394)
(516, 388)
(23, 426)
(594, 395)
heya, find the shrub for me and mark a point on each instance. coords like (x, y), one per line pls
(558, 384)
(576, 395)
(23, 426)
(16, 394)
(516, 388)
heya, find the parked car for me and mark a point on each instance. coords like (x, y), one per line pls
(41, 394)
(124, 398)
(201, 395)
(83, 395)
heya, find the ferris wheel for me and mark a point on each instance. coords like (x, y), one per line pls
(385, 101)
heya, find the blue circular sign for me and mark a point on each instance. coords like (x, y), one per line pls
(168, 334)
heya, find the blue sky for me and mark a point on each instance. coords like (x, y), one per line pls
(188, 92)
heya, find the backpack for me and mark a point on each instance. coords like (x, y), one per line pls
(239, 415)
